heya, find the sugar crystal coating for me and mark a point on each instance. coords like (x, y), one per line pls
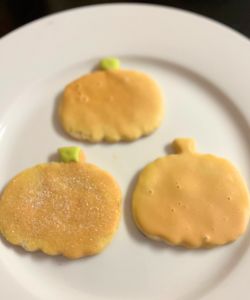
(60, 208)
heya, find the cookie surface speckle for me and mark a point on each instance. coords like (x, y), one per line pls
(71, 209)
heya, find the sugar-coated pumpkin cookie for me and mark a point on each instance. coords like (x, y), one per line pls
(111, 105)
(191, 199)
(70, 208)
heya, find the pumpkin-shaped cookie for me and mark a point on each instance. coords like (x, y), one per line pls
(191, 199)
(111, 105)
(70, 208)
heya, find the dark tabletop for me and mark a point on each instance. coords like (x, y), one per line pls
(234, 13)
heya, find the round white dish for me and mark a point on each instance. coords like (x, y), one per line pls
(204, 70)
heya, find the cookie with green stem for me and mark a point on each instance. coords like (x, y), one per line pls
(70, 207)
(111, 104)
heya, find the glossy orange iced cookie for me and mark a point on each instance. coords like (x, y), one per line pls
(111, 105)
(191, 199)
(70, 208)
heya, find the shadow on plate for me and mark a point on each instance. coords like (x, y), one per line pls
(55, 119)
(39, 256)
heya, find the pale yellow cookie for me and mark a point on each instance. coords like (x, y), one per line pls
(111, 105)
(71, 209)
(190, 199)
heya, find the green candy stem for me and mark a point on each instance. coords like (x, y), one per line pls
(69, 154)
(110, 63)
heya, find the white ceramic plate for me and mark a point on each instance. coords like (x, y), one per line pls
(204, 70)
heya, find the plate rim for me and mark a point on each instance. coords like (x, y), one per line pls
(107, 4)
(23, 28)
